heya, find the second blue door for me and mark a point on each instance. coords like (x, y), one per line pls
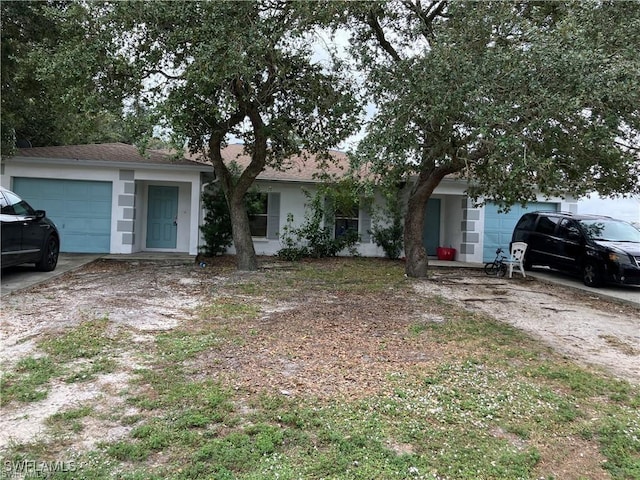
(162, 216)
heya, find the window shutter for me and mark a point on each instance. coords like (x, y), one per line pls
(273, 216)
(365, 226)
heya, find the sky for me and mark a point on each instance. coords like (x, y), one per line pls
(622, 208)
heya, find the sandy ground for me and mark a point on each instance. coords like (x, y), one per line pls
(147, 298)
(583, 327)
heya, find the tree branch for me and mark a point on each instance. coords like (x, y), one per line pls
(372, 20)
(163, 73)
(426, 17)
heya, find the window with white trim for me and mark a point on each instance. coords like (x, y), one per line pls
(258, 219)
(346, 220)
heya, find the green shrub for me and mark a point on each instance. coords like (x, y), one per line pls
(388, 230)
(389, 238)
(315, 237)
(216, 229)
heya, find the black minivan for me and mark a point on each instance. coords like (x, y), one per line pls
(600, 249)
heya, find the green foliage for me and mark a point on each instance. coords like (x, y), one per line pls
(216, 228)
(388, 229)
(28, 382)
(76, 355)
(46, 100)
(316, 237)
(389, 238)
(481, 402)
(87, 340)
(518, 98)
(495, 87)
(208, 72)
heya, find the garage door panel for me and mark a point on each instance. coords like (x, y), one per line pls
(97, 243)
(97, 210)
(80, 209)
(498, 227)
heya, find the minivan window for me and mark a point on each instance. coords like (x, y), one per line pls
(546, 225)
(569, 230)
(610, 230)
(527, 222)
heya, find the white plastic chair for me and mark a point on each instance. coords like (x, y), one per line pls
(518, 250)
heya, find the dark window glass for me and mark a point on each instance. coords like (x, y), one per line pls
(527, 222)
(546, 225)
(346, 221)
(569, 230)
(611, 230)
(258, 218)
(17, 206)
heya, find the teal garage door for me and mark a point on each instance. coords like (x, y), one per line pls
(80, 209)
(498, 227)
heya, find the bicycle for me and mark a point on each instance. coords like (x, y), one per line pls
(498, 267)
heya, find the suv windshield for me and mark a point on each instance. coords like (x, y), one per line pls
(610, 230)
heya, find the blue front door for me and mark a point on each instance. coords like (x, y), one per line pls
(162, 216)
(431, 233)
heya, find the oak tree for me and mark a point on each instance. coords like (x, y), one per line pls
(222, 71)
(209, 73)
(516, 97)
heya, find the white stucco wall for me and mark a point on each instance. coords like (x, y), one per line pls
(294, 201)
(187, 179)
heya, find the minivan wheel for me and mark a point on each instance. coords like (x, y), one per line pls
(50, 253)
(591, 275)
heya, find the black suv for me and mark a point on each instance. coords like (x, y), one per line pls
(600, 249)
(28, 236)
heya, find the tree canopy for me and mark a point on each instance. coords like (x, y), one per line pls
(211, 73)
(48, 94)
(215, 71)
(516, 97)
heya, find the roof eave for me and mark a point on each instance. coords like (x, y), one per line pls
(111, 163)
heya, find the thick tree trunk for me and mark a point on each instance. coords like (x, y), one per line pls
(234, 191)
(246, 259)
(417, 262)
(416, 255)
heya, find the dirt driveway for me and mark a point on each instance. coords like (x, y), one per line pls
(148, 298)
(584, 327)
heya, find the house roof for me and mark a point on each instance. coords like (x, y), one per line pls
(297, 168)
(105, 152)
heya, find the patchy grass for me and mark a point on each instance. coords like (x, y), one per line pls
(458, 397)
(28, 381)
(77, 354)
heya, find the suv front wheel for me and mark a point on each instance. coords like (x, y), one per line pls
(591, 275)
(50, 253)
